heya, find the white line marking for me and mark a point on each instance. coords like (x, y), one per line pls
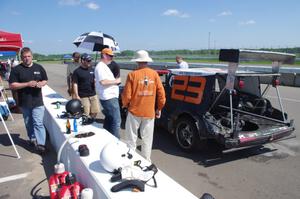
(14, 177)
(286, 99)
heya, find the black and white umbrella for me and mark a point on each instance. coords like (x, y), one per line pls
(96, 41)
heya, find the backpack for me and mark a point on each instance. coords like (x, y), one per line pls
(4, 111)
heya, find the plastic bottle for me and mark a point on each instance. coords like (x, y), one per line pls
(68, 127)
(57, 180)
(75, 125)
(87, 193)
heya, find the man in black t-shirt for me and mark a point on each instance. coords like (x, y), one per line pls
(84, 86)
(115, 68)
(28, 79)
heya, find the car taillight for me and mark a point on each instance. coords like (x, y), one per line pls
(275, 82)
(241, 84)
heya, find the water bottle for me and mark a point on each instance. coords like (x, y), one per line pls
(68, 127)
(75, 126)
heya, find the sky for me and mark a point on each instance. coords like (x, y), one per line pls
(50, 26)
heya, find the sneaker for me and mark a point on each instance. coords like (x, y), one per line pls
(41, 149)
(32, 142)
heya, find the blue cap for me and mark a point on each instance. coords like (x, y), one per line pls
(86, 57)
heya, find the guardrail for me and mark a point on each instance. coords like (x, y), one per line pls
(290, 76)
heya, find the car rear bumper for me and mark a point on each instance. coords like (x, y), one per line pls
(258, 137)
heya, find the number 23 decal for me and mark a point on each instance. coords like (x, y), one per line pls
(188, 88)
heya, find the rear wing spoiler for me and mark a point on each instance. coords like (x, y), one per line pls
(233, 56)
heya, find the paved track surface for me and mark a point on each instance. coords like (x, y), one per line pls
(263, 172)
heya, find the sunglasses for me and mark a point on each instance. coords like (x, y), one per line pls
(87, 60)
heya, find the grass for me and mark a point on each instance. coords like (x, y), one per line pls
(49, 62)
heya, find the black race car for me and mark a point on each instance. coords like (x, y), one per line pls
(226, 105)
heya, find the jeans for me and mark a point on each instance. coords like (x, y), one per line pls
(112, 120)
(33, 119)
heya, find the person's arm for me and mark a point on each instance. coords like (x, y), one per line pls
(102, 75)
(127, 93)
(69, 84)
(69, 79)
(160, 96)
(75, 91)
(19, 85)
(75, 85)
(40, 84)
(106, 82)
(44, 79)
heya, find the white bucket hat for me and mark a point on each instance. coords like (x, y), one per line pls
(142, 56)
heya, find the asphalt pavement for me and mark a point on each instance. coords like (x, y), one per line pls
(265, 172)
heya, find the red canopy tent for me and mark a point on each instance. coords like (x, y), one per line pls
(10, 41)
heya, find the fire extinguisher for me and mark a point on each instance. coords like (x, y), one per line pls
(57, 180)
(71, 189)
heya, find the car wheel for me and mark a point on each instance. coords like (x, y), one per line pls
(186, 132)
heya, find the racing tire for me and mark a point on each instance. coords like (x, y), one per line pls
(187, 135)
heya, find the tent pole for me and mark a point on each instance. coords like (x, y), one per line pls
(10, 138)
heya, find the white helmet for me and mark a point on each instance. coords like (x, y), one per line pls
(115, 155)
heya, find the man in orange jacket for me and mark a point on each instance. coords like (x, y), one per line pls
(144, 97)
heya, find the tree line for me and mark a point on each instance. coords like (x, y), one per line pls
(165, 54)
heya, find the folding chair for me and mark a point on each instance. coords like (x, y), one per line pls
(4, 103)
(5, 99)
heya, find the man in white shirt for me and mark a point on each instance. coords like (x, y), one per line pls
(181, 64)
(108, 91)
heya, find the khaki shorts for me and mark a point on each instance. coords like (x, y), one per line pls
(90, 105)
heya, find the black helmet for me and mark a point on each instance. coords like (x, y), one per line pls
(74, 107)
